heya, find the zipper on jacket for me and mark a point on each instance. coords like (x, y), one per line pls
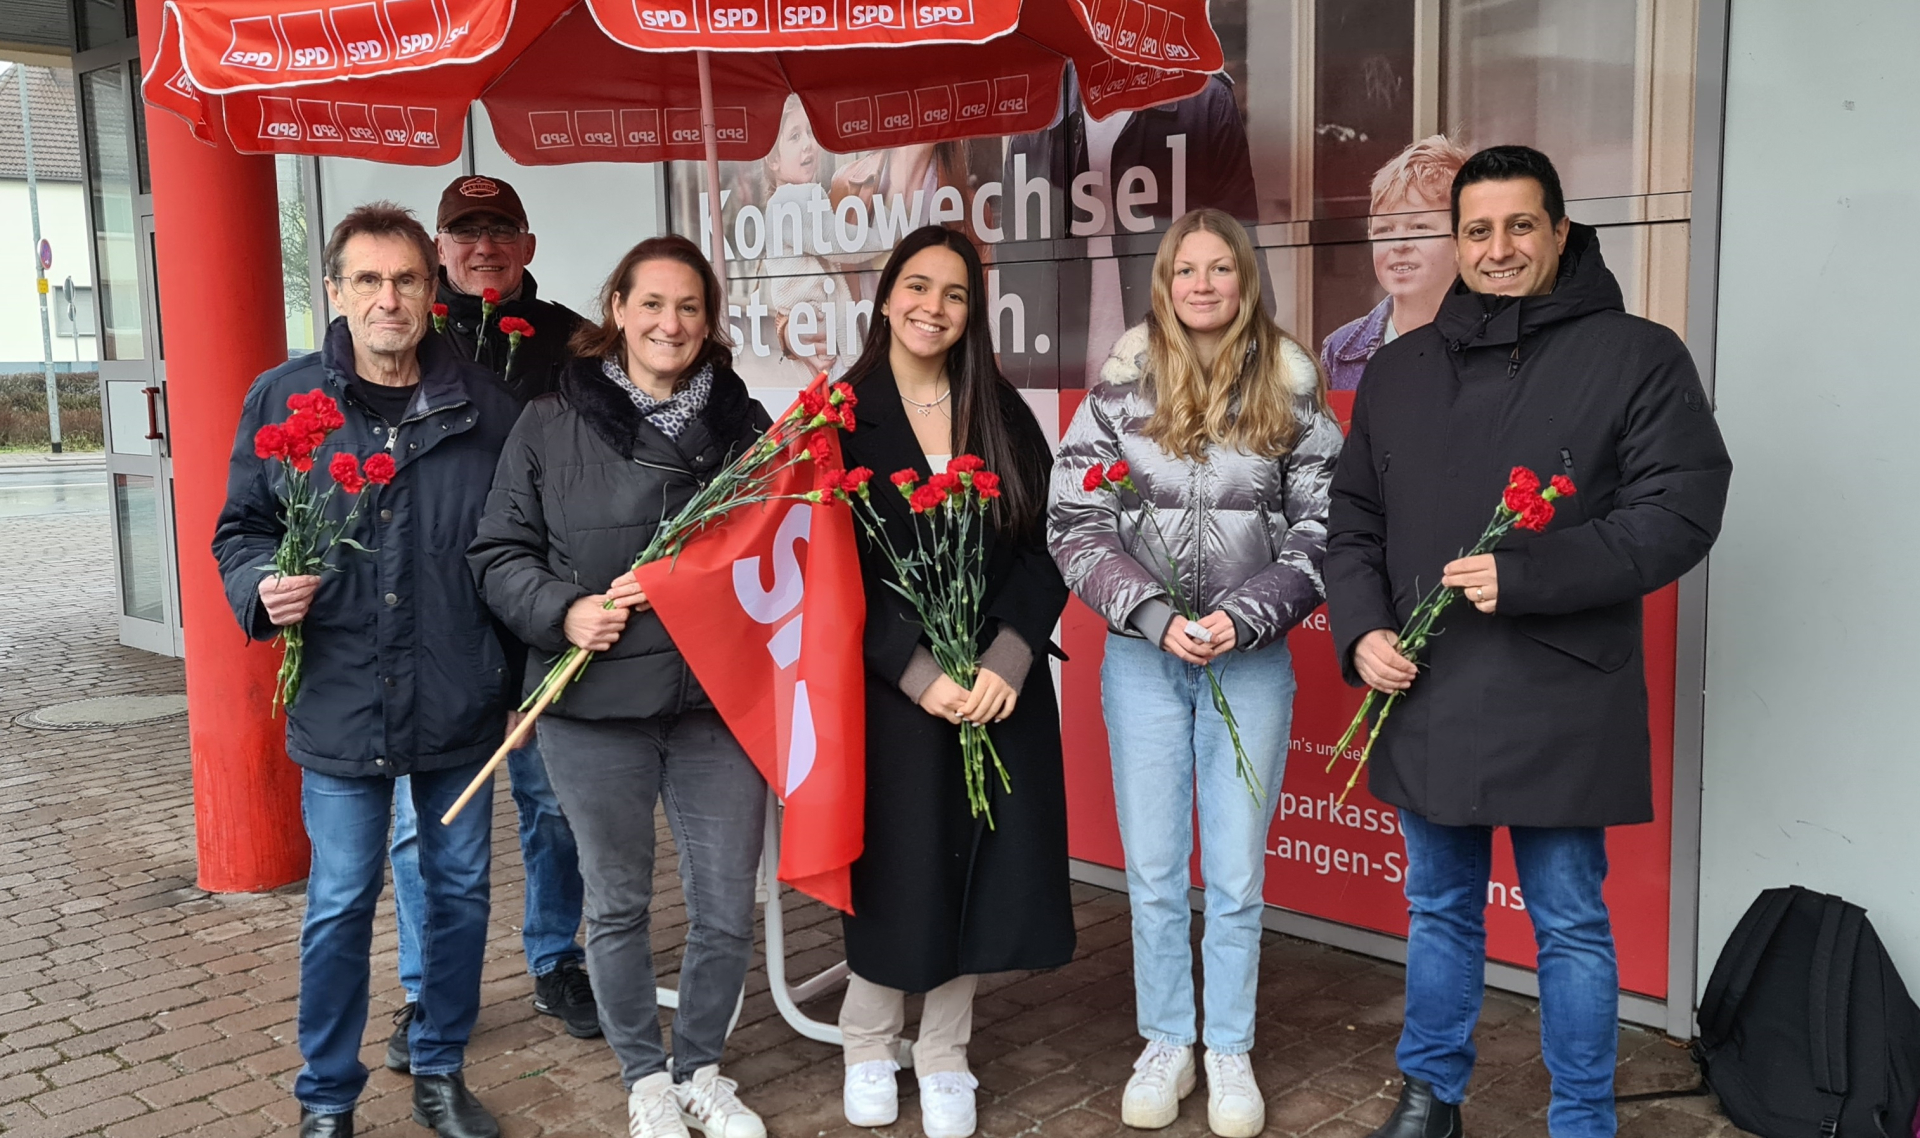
(1199, 537)
(1513, 361)
(1566, 460)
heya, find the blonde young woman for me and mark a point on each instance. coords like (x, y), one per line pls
(1222, 418)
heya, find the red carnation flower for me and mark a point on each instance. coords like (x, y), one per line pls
(926, 498)
(945, 483)
(1095, 476)
(440, 310)
(987, 483)
(1562, 485)
(270, 441)
(379, 468)
(965, 464)
(1524, 479)
(904, 479)
(489, 296)
(1538, 513)
(1118, 471)
(812, 403)
(1519, 500)
(302, 461)
(855, 481)
(345, 470)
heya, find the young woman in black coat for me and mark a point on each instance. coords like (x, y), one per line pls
(938, 896)
(649, 411)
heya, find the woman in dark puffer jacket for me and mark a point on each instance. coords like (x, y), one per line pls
(646, 415)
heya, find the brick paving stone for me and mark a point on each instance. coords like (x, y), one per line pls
(136, 1006)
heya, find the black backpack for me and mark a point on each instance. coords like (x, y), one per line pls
(1806, 1030)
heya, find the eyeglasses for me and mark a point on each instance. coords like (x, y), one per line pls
(409, 285)
(498, 234)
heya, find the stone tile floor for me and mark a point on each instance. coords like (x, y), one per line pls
(133, 1004)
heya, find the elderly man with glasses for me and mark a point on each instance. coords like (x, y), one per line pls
(484, 245)
(404, 672)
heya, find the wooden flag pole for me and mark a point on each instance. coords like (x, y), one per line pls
(515, 737)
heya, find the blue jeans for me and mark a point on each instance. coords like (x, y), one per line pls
(1166, 742)
(555, 895)
(346, 820)
(1562, 871)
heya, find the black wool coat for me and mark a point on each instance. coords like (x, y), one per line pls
(542, 357)
(582, 484)
(1535, 715)
(936, 893)
(404, 669)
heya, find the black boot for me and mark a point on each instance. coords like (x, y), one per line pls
(443, 1103)
(1420, 1115)
(399, 1052)
(326, 1125)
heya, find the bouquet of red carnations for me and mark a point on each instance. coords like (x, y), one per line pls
(1523, 504)
(944, 578)
(310, 534)
(1117, 478)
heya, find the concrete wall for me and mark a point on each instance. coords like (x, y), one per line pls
(1812, 761)
(63, 222)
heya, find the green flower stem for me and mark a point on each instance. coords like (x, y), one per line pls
(1412, 640)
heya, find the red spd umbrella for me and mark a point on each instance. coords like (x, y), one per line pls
(617, 80)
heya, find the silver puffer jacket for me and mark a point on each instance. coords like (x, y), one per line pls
(1247, 532)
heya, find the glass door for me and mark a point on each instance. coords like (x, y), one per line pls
(132, 372)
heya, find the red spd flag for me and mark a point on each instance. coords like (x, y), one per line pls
(767, 610)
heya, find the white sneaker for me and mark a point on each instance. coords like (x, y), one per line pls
(653, 1110)
(946, 1104)
(1235, 1108)
(1162, 1076)
(872, 1095)
(707, 1104)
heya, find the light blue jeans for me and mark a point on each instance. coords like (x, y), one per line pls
(1167, 742)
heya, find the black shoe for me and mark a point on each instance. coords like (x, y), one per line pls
(326, 1125)
(1420, 1115)
(445, 1105)
(399, 1053)
(566, 993)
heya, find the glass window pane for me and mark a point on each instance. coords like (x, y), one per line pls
(1557, 75)
(101, 22)
(1363, 98)
(296, 262)
(139, 130)
(106, 96)
(136, 515)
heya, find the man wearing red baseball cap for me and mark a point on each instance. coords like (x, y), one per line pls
(485, 244)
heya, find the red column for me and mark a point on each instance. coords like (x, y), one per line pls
(216, 223)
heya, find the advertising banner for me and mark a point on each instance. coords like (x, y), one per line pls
(1323, 133)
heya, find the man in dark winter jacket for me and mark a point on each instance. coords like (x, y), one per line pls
(1529, 709)
(484, 243)
(404, 673)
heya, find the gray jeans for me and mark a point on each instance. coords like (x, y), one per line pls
(608, 775)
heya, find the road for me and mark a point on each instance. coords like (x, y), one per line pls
(33, 493)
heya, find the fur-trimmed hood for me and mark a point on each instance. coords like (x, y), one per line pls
(1128, 362)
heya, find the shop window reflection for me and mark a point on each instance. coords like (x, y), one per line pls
(106, 96)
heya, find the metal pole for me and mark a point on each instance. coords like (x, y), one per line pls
(710, 131)
(39, 273)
